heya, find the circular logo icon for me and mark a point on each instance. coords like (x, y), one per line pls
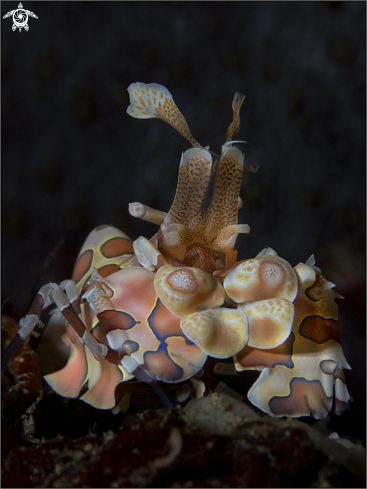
(20, 18)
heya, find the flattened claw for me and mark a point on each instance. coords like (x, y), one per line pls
(185, 290)
(270, 322)
(264, 277)
(219, 332)
(144, 332)
(304, 375)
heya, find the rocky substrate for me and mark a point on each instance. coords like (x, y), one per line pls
(215, 441)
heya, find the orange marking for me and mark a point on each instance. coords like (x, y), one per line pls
(108, 270)
(117, 247)
(142, 101)
(82, 265)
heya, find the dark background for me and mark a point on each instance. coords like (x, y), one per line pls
(73, 159)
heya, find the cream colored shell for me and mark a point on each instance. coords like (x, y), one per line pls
(185, 290)
(264, 277)
(270, 322)
(219, 332)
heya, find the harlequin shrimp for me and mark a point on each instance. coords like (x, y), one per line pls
(153, 311)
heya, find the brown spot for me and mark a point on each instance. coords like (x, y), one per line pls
(161, 366)
(112, 319)
(183, 280)
(319, 329)
(117, 247)
(301, 391)
(281, 355)
(107, 270)
(82, 265)
(163, 323)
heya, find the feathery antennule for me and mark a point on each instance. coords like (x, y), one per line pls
(148, 101)
(234, 126)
